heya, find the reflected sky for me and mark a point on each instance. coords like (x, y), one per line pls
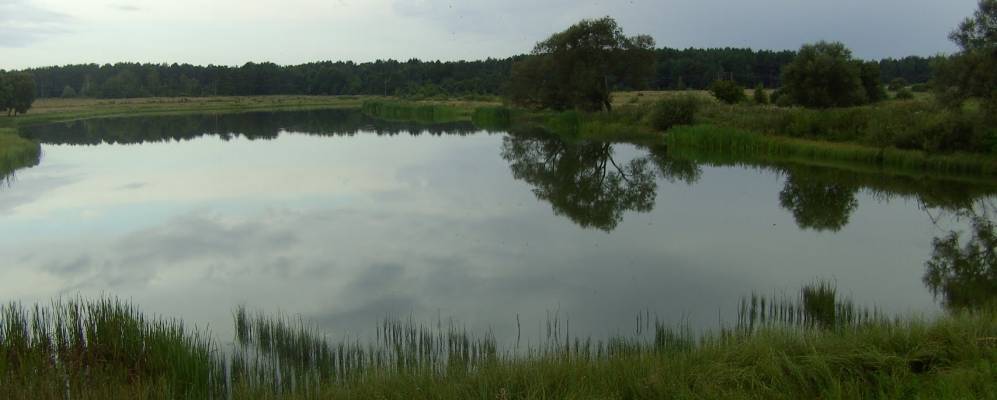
(346, 230)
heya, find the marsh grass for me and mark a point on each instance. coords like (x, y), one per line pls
(814, 345)
(817, 305)
(74, 348)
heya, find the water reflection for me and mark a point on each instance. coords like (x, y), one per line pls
(817, 204)
(251, 125)
(348, 231)
(581, 181)
(964, 274)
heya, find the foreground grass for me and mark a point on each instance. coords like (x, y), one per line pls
(816, 349)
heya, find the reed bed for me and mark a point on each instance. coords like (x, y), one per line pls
(814, 345)
(80, 348)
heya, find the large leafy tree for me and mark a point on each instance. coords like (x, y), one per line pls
(579, 67)
(824, 74)
(972, 73)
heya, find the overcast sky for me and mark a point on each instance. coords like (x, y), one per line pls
(232, 32)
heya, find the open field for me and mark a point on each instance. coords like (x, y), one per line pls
(55, 110)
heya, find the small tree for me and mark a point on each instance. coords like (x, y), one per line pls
(6, 93)
(824, 75)
(904, 94)
(68, 92)
(727, 91)
(760, 96)
(24, 92)
(869, 74)
(897, 84)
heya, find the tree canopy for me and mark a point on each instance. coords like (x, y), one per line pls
(824, 74)
(972, 73)
(17, 92)
(674, 69)
(581, 66)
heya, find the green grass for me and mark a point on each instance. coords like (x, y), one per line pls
(16, 153)
(61, 110)
(817, 345)
(87, 349)
(915, 135)
(732, 142)
(415, 112)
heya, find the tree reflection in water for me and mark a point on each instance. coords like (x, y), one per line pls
(964, 274)
(582, 180)
(817, 204)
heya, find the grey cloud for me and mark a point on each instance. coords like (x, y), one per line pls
(125, 7)
(23, 23)
(872, 28)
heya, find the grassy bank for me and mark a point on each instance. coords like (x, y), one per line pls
(814, 346)
(738, 143)
(16, 153)
(60, 110)
(906, 135)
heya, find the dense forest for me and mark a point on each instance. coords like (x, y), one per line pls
(674, 69)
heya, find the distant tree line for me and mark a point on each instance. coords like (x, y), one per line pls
(673, 69)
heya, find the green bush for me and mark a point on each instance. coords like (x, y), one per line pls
(760, 96)
(825, 75)
(727, 91)
(904, 94)
(68, 92)
(669, 112)
(897, 84)
(920, 88)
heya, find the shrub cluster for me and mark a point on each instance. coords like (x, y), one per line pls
(673, 111)
(727, 91)
(910, 125)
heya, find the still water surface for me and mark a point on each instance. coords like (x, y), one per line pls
(345, 220)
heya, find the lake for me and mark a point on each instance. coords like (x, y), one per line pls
(345, 220)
